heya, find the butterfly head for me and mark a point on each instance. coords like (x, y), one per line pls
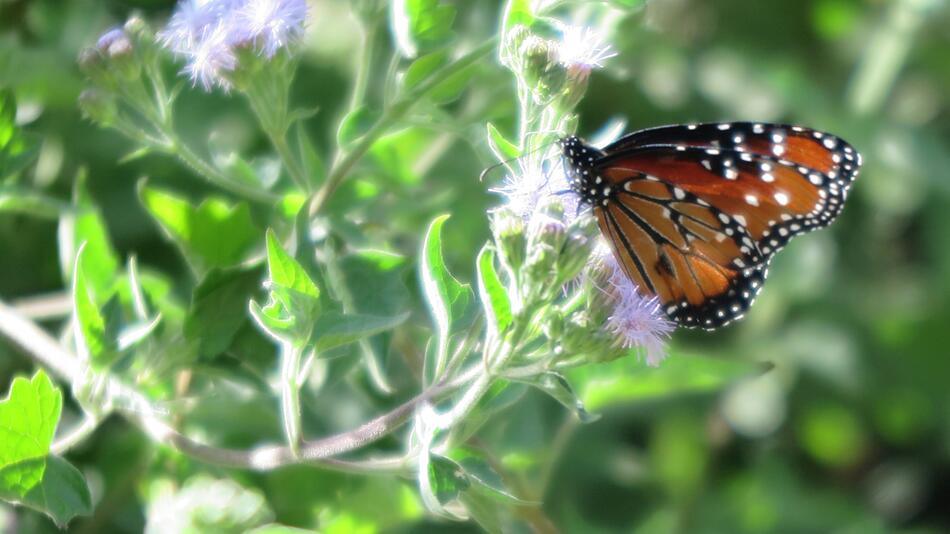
(580, 167)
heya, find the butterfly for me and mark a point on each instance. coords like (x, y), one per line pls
(694, 213)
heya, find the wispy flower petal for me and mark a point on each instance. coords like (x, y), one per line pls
(525, 192)
(270, 24)
(637, 321)
(210, 59)
(581, 50)
(207, 33)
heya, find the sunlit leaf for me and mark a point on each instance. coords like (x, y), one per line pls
(333, 329)
(28, 419)
(501, 146)
(219, 308)
(627, 380)
(420, 24)
(84, 226)
(495, 301)
(62, 494)
(17, 149)
(95, 333)
(215, 233)
(421, 68)
(447, 298)
(355, 124)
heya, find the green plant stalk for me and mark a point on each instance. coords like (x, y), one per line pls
(290, 356)
(156, 112)
(271, 94)
(139, 409)
(345, 163)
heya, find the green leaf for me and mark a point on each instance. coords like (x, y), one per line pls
(62, 494)
(447, 479)
(355, 124)
(447, 298)
(274, 528)
(17, 200)
(628, 4)
(376, 282)
(84, 226)
(503, 149)
(421, 68)
(626, 380)
(451, 87)
(17, 149)
(219, 308)
(95, 340)
(333, 329)
(517, 12)
(285, 271)
(420, 25)
(482, 475)
(555, 385)
(294, 299)
(312, 162)
(28, 419)
(494, 296)
(397, 154)
(214, 234)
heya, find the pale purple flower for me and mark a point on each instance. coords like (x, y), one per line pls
(525, 192)
(210, 59)
(270, 24)
(637, 321)
(582, 49)
(192, 21)
(208, 32)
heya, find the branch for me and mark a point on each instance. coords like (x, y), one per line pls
(345, 163)
(138, 409)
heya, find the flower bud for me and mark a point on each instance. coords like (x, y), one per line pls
(578, 247)
(540, 69)
(510, 236)
(98, 106)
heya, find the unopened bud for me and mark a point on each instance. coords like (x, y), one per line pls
(578, 247)
(540, 69)
(509, 232)
(98, 106)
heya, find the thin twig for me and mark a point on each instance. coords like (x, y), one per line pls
(138, 409)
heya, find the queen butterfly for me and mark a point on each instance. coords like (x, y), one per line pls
(694, 213)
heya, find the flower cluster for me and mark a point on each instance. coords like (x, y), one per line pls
(637, 321)
(555, 73)
(209, 34)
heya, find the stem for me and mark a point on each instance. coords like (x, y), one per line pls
(75, 435)
(345, 163)
(212, 174)
(290, 394)
(139, 410)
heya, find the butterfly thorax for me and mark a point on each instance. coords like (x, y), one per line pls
(579, 165)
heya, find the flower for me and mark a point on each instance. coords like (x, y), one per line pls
(192, 21)
(209, 32)
(270, 24)
(210, 58)
(637, 321)
(526, 191)
(581, 49)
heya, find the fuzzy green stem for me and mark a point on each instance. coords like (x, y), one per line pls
(345, 163)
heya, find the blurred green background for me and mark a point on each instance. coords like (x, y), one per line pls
(848, 430)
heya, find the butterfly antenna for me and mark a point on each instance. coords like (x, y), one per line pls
(484, 173)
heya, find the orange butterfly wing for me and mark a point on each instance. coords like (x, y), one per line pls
(694, 213)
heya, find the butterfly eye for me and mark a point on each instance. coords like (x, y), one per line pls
(697, 211)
